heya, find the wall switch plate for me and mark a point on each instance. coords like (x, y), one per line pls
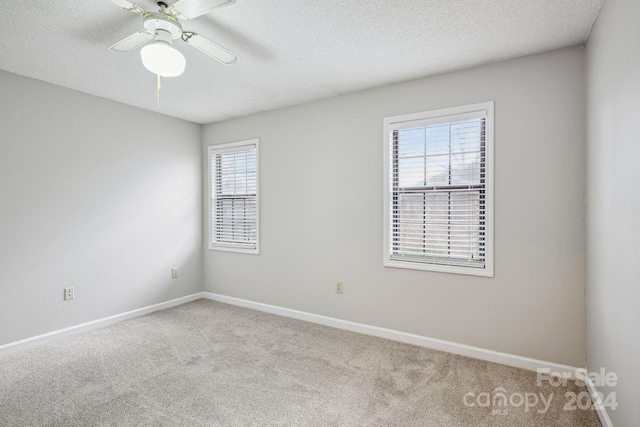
(68, 294)
(339, 287)
(174, 273)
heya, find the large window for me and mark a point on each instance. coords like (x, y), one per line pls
(439, 190)
(234, 197)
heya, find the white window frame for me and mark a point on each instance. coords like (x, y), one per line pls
(390, 123)
(234, 146)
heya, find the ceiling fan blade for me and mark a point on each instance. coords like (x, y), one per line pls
(210, 48)
(132, 42)
(189, 9)
(127, 5)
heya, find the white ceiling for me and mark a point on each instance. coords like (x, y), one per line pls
(291, 51)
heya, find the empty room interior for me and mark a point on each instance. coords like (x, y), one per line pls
(320, 213)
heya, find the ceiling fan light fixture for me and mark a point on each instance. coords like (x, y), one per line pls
(162, 58)
(163, 27)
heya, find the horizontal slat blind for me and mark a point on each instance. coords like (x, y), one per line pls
(437, 185)
(234, 198)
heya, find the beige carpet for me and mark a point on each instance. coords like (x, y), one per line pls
(207, 363)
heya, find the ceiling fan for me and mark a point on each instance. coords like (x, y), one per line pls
(160, 57)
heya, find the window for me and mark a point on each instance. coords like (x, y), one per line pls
(438, 212)
(234, 197)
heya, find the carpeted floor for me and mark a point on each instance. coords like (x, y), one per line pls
(207, 363)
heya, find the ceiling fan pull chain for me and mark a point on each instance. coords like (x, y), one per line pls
(158, 87)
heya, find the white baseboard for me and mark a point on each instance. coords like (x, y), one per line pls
(603, 415)
(422, 341)
(94, 324)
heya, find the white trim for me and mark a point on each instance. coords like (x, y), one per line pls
(236, 250)
(603, 415)
(451, 111)
(433, 343)
(431, 118)
(394, 122)
(442, 268)
(94, 324)
(229, 147)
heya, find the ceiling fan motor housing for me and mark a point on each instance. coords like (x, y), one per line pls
(165, 28)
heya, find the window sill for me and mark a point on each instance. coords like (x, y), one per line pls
(454, 269)
(237, 250)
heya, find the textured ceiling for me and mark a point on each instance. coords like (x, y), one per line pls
(291, 51)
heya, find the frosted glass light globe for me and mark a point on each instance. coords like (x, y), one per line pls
(162, 59)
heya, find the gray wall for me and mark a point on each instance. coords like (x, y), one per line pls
(95, 195)
(321, 212)
(613, 202)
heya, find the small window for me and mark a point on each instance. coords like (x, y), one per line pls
(438, 193)
(234, 197)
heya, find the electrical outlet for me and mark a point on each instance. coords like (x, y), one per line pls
(68, 294)
(174, 273)
(339, 287)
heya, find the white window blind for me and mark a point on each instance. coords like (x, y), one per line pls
(438, 192)
(234, 196)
